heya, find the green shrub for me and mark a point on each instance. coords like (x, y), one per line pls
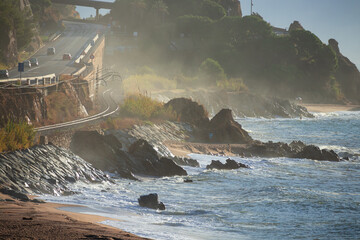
(211, 72)
(16, 136)
(143, 107)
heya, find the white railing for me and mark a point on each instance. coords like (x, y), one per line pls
(46, 79)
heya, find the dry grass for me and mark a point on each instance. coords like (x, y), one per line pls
(16, 136)
(143, 107)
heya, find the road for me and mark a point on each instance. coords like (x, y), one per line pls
(76, 35)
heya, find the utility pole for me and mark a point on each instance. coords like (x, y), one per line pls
(251, 11)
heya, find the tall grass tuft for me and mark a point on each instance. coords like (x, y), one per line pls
(16, 136)
(143, 107)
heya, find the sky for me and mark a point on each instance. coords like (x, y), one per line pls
(338, 19)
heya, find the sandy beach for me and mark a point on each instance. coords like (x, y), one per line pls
(325, 108)
(29, 220)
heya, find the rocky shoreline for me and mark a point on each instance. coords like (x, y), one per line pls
(141, 151)
(46, 169)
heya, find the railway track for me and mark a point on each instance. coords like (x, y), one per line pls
(111, 108)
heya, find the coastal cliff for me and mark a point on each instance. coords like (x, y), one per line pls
(38, 106)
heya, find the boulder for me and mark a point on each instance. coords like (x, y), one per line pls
(104, 152)
(151, 201)
(224, 129)
(189, 111)
(230, 164)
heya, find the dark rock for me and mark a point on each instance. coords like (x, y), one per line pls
(166, 167)
(70, 179)
(68, 193)
(161, 206)
(15, 194)
(297, 146)
(37, 201)
(27, 218)
(186, 162)
(230, 164)
(188, 180)
(224, 129)
(151, 201)
(189, 111)
(141, 157)
(314, 152)
(52, 181)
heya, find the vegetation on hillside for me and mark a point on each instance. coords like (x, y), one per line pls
(181, 35)
(16, 136)
(143, 107)
(14, 25)
(21, 24)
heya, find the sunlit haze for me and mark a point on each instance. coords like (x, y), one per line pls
(338, 19)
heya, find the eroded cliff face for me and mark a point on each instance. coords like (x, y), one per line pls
(21, 104)
(347, 74)
(61, 103)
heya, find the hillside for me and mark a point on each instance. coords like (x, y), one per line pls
(209, 43)
(24, 23)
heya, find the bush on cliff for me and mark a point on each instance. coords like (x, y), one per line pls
(211, 72)
(16, 136)
(143, 107)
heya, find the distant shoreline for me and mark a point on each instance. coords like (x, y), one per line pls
(326, 108)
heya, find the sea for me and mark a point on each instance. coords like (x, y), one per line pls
(276, 198)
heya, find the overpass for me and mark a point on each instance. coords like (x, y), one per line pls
(87, 3)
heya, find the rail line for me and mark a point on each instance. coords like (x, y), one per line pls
(107, 112)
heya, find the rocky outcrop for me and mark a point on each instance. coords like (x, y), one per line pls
(189, 111)
(64, 103)
(230, 164)
(105, 153)
(151, 201)
(20, 104)
(315, 153)
(293, 150)
(224, 129)
(221, 129)
(347, 74)
(242, 104)
(45, 169)
(295, 26)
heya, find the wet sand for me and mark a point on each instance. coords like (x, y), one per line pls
(326, 108)
(28, 220)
